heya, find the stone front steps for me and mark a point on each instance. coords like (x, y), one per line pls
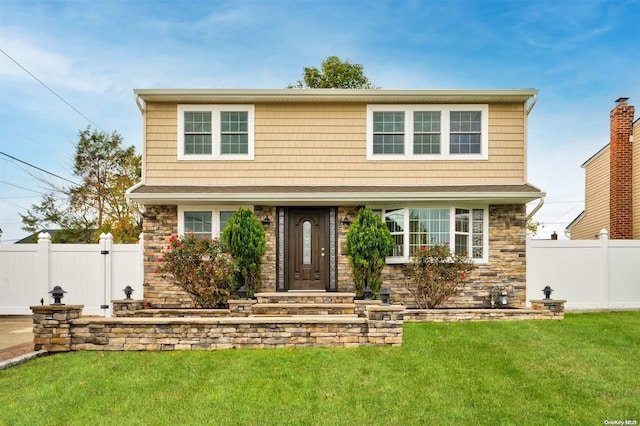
(289, 309)
(304, 303)
(305, 297)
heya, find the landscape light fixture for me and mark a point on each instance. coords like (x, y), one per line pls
(57, 293)
(547, 292)
(242, 293)
(385, 295)
(127, 292)
(367, 292)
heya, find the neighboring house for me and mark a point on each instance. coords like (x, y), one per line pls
(33, 238)
(612, 183)
(440, 166)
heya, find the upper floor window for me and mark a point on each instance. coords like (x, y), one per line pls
(215, 132)
(434, 132)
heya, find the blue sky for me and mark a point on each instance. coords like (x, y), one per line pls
(580, 55)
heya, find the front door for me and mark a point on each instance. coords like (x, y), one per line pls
(308, 254)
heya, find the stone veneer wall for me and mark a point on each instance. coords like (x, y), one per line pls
(159, 223)
(269, 259)
(507, 254)
(345, 282)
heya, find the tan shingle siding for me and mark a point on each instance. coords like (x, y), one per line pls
(326, 144)
(596, 199)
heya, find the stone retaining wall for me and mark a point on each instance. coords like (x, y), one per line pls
(540, 310)
(71, 332)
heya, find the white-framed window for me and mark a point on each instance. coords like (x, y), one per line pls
(204, 221)
(465, 230)
(428, 132)
(216, 132)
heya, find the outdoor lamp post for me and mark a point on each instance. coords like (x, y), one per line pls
(367, 292)
(127, 292)
(547, 292)
(385, 295)
(57, 293)
(242, 293)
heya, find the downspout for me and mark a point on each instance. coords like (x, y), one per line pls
(541, 203)
(533, 103)
(141, 106)
(535, 210)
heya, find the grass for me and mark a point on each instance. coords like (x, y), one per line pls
(582, 370)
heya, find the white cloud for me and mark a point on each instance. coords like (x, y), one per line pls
(55, 69)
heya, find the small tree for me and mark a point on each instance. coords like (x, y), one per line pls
(105, 169)
(201, 268)
(367, 244)
(434, 273)
(335, 74)
(246, 241)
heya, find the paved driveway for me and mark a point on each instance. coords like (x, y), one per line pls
(16, 337)
(15, 330)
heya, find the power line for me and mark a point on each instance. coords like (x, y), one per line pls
(51, 90)
(21, 187)
(38, 168)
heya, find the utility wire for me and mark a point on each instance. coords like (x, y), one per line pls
(38, 168)
(51, 90)
(21, 187)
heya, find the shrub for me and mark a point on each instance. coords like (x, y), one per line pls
(367, 244)
(434, 273)
(201, 268)
(246, 241)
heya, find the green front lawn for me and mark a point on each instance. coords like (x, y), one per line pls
(582, 370)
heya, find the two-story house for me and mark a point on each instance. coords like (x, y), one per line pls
(439, 166)
(612, 182)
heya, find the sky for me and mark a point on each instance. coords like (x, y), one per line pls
(66, 65)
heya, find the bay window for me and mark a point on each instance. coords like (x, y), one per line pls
(412, 228)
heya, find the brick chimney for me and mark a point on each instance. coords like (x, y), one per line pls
(620, 202)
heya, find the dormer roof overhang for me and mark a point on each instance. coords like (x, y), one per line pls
(370, 96)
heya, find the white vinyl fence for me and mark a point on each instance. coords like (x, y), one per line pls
(91, 274)
(589, 274)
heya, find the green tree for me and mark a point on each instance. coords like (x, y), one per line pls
(97, 205)
(367, 244)
(533, 227)
(335, 74)
(246, 241)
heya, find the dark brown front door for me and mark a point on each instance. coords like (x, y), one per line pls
(308, 253)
